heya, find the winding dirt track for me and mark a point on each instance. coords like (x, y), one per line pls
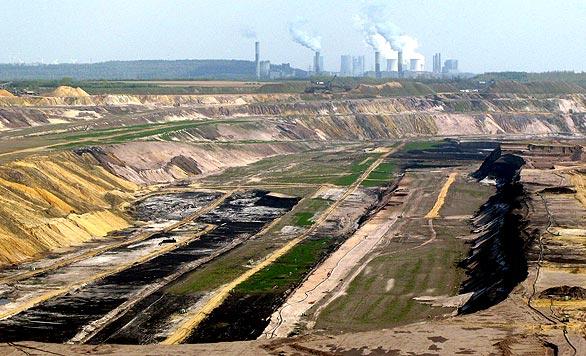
(195, 317)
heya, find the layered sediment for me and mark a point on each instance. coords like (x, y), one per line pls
(48, 203)
(64, 199)
(376, 118)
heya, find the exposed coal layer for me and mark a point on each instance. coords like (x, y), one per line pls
(449, 153)
(141, 323)
(240, 317)
(564, 292)
(61, 318)
(172, 206)
(496, 262)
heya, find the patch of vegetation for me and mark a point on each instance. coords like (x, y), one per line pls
(357, 169)
(382, 295)
(289, 269)
(232, 264)
(308, 167)
(223, 269)
(304, 218)
(310, 210)
(420, 145)
(381, 175)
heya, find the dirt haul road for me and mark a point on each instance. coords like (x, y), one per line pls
(195, 317)
(330, 274)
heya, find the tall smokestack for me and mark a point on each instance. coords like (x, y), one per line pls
(316, 66)
(257, 58)
(400, 63)
(377, 64)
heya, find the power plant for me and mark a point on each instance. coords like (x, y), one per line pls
(437, 63)
(317, 63)
(377, 72)
(416, 65)
(358, 66)
(346, 66)
(403, 62)
(257, 58)
(400, 63)
(391, 65)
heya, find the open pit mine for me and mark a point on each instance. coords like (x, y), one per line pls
(334, 224)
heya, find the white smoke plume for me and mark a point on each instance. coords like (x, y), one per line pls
(374, 22)
(300, 34)
(377, 41)
(248, 32)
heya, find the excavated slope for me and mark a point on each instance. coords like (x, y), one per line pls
(60, 200)
(163, 162)
(153, 100)
(52, 202)
(5, 94)
(382, 118)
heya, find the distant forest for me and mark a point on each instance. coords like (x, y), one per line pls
(134, 70)
(524, 77)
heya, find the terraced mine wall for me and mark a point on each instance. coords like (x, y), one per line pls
(325, 118)
(497, 262)
(60, 319)
(47, 203)
(59, 200)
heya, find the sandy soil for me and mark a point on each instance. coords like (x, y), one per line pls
(434, 212)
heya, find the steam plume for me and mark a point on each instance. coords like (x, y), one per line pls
(300, 35)
(374, 21)
(248, 32)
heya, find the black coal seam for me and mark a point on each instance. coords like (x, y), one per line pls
(497, 261)
(59, 319)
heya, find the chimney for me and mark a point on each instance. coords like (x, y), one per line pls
(316, 67)
(377, 64)
(400, 63)
(257, 58)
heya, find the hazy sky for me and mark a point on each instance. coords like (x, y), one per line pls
(485, 35)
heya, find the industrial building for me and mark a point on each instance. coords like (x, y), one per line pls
(437, 63)
(416, 65)
(346, 66)
(264, 69)
(318, 63)
(358, 66)
(391, 65)
(257, 58)
(377, 72)
(450, 66)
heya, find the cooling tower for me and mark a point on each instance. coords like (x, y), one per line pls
(391, 65)
(415, 65)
